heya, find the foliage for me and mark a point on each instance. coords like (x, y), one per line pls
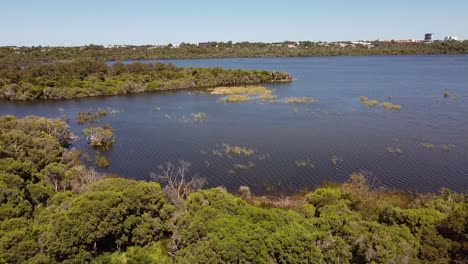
(99, 136)
(227, 49)
(55, 210)
(84, 78)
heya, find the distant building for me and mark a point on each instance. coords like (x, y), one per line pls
(428, 37)
(449, 38)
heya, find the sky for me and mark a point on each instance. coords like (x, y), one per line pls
(141, 22)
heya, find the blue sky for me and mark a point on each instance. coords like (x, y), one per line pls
(80, 22)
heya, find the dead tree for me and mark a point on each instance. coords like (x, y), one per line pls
(178, 184)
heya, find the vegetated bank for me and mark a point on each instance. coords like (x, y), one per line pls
(84, 78)
(55, 210)
(228, 50)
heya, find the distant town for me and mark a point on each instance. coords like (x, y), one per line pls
(428, 38)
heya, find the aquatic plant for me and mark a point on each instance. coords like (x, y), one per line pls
(428, 145)
(447, 146)
(99, 136)
(267, 97)
(336, 159)
(249, 89)
(238, 150)
(244, 192)
(86, 156)
(235, 98)
(305, 163)
(391, 106)
(244, 166)
(393, 150)
(365, 101)
(90, 116)
(217, 153)
(297, 100)
(100, 160)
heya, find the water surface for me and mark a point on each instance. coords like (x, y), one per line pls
(337, 135)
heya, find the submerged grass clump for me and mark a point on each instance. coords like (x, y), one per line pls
(247, 166)
(391, 106)
(238, 150)
(90, 116)
(393, 150)
(297, 100)
(240, 94)
(428, 145)
(304, 163)
(101, 161)
(250, 89)
(235, 98)
(447, 146)
(369, 103)
(336, 159)
(199, 116)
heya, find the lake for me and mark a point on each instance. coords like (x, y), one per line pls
(422, 147)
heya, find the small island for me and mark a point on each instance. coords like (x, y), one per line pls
(86, 78)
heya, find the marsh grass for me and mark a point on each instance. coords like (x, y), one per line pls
(391, 106)
(447, 147)
(101, 161)
(217, 153)
(304, 163)
(393, 150)
(297, 100)
(266, 97)
(194, 118)
(238, 150)
(235, 98)
(90, 116)
(250, 89)
(428, 145)
(336, 160)
(247, 166)
(369, 103)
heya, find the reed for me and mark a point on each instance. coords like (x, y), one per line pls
(428, 145)
(238, 150)
(298, 100)
(391, 106)
(369, 103)
(235, 98)
(247, 166)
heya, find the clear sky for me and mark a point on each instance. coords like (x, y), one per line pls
(81, 22)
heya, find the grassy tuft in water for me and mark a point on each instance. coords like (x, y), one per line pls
(297, 100)
(199, 115)
(393, 150)
(391, 106)
(90, 116)
(238, 150)
(247, 166)
(447, 146)
(101, 161)
(428, 145)
(369, 103)
(304, 163)
(235, 98)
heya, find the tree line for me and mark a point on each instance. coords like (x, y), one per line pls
(227, 50)
(55, 210)
(84, 78)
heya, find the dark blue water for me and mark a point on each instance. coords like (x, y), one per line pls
(155, 128)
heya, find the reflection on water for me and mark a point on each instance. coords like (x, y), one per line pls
(420, 147)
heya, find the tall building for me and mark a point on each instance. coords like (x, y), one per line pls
(428, 37)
